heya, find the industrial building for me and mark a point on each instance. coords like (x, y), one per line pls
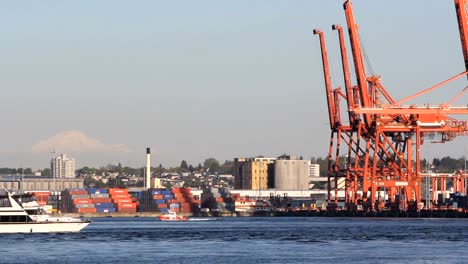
(35, 183)
(292, 174)
(253, 173)
(62, 167)
(283, 173)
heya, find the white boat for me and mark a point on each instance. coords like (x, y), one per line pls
(22, 214)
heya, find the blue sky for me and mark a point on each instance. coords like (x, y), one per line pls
(200, 79)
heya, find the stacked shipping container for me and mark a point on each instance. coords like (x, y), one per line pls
(122, 200)
(102, 201)
(77, 201)
(164, 200)
(218, 200)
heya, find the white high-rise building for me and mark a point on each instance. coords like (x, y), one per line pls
(314, 170)
(62, 167)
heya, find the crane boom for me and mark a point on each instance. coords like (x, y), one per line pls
(460, 8)
(326, 76)
(357, 58)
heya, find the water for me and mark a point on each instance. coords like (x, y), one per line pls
(247, 240)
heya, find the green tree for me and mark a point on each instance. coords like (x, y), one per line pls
(183, 166)
(46, 172)
(227, 167)
(212, 164)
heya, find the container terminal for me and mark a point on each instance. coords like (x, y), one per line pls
(379, 136)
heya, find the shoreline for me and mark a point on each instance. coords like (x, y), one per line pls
(384, 214)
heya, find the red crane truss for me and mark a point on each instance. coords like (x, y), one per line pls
(377, 151)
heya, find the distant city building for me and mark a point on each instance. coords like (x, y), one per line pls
(253, 173)
(282, 173)
(314, 170)
(62, 167)
(291, 174)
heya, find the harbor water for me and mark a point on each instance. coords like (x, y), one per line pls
(247, 240)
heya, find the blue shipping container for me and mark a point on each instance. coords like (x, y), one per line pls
(163, 210)
(105, 210)
(159, 201)
(104, 205)
(94, 190)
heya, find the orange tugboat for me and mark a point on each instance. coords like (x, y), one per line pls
(172, 216)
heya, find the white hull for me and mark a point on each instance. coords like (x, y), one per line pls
(42, 227)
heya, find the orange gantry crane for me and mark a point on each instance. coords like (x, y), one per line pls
(382, 138)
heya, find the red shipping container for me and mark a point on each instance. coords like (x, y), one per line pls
(220, 200)
(178, 195)
(102, 200)
(42, 199)
(175, 210)
(82, 201)
(126, 210)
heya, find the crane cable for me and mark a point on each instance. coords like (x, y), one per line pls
(366, 57)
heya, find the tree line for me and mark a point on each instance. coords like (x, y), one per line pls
(213, 166)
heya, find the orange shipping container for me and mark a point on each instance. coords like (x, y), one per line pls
(162, 205)
(122, 200)
(158, 197)
(120, 191)
(41, 194)
(120, 195)
(85, 210)
(178, 195)
(82, 201)
(83, 192)
(126, 205)
(102, 200)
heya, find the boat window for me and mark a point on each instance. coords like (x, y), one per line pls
(5, 202)
(13, 218)
(34, 212)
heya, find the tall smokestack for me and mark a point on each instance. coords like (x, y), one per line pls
(148, 168)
